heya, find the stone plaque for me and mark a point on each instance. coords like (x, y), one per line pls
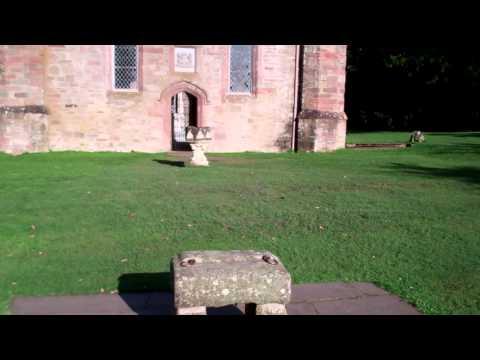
(185, 60)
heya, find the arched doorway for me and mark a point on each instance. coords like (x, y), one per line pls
(198, 99)
(184, 112)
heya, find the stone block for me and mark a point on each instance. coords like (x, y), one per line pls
(199, 310)
(271, 309)
(321, 131)
(219, 278)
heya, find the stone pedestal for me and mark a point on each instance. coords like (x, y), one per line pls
(198, 138)
(199, 158)
(199, 310)
(271, 309)
(265, 309)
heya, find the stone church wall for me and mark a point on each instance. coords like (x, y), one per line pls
(71, 84)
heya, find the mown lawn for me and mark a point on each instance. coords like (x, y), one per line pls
(405, 219)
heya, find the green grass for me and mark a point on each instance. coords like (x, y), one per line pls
(405, 219)
(380, 137)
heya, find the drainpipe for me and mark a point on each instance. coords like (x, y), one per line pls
(295, 97)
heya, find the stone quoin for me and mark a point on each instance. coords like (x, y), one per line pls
(141, 98)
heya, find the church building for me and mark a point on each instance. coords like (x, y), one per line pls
(122, 98)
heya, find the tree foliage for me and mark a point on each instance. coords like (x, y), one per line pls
(413, 88)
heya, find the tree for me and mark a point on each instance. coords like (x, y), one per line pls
(412, 88)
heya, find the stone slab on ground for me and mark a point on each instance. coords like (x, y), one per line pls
(307, 299)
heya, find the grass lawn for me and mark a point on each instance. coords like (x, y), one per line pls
(405, 219)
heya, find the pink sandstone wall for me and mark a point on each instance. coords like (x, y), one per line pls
(87, 115)
(23, 132)
(322, 125)
(23, 128)
(22, 80)
(71, 85)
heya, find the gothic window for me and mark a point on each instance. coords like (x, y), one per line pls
(241, 64)
(125, 67)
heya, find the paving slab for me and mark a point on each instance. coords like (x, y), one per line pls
(307, 299)
(372, 305)
(323, 292)
(70, 305)
(301, 309)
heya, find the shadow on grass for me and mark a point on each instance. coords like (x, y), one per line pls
(151, 294)
(456, 149)
(468, 174)
(460, 135)
(171, 163)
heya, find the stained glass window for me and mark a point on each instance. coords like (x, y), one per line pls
(241, 59)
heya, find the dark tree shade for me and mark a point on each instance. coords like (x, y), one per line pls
(413, 88)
